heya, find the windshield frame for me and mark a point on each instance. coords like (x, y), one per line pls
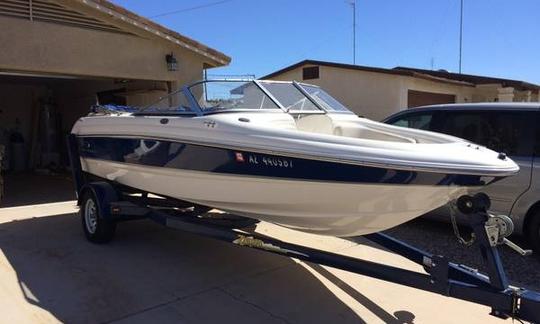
(197, 110)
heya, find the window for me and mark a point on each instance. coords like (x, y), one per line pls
(537, 137)
(418, 121)
(311, 72)
(502, 131)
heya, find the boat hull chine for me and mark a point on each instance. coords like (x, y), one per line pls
(333, 208)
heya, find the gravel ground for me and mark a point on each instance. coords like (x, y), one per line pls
(438, 238)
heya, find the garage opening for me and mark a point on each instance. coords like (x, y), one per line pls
(36, 115)
(423, 98)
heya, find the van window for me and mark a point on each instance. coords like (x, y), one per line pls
(537, 137)
(418, 121)
(502, 131)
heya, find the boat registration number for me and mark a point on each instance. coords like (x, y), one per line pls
(269, 161)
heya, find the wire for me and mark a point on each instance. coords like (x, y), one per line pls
(211, 4)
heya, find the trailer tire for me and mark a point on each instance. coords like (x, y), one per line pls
(533, 230)
(96, 228)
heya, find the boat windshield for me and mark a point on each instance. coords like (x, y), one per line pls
(224, 95)
(323, 99)
(174, 103)
(290, 97)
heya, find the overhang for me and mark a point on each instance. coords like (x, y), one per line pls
(120, 15)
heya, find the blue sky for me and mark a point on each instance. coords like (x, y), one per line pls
(501, 37)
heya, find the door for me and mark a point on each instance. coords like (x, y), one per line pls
(423, 98)
(510, 132)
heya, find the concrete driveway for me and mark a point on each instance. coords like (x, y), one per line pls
(50, 273)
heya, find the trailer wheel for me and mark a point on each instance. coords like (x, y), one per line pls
(96, 228)
(533, 231)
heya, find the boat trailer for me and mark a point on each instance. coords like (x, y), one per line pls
(103, 204)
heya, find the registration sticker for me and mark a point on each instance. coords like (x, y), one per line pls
(239, 157)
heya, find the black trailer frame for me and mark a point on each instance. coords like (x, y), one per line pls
(117, 203)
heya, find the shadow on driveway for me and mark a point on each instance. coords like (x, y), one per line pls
(150, 273)
(24, 189)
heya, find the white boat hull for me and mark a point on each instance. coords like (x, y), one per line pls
(322, 207)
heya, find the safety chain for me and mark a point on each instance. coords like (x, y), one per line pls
(461, 240)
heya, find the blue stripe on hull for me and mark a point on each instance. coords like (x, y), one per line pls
(228, 161)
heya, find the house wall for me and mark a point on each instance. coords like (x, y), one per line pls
(40, 47)
(463, 93)
(486, 93)
(371, 94)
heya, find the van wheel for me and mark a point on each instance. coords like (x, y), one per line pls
(533, 231)
(96, 228)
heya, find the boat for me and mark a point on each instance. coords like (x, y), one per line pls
(282, 152)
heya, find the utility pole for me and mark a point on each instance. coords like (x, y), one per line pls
(460, 35)
(353, 5)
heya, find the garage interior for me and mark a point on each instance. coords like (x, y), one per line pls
(36, 115)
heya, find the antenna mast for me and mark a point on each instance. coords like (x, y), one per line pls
(353, 5)
(460, 35)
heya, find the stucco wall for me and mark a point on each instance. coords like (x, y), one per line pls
(375, 95)
(372, 95)
(486, 93)
(41, 47)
